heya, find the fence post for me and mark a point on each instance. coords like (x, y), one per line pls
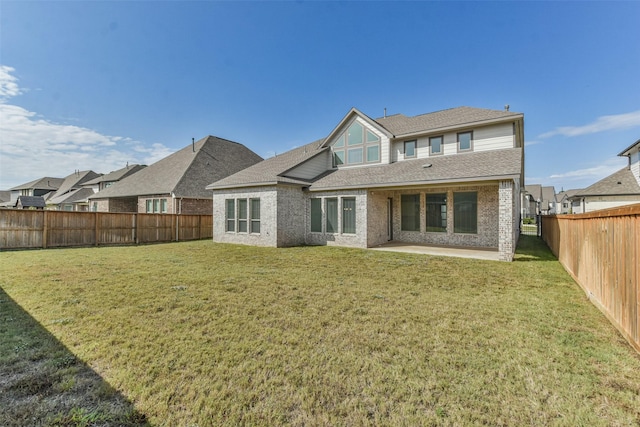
(136, 232)
(97, 229)
(45, 229)
(539, 225)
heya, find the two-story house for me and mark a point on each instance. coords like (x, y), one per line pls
(451, 177)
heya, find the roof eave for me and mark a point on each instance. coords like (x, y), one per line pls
(417, 183)
(627, 151)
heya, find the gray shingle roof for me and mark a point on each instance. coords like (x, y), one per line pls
(31, 202)
(187, 172)
(617, 184)
(478, 166)
(45, 183)
(269, 171)
(116, 175)
(73, 196)
(400, 124)
(74, 181)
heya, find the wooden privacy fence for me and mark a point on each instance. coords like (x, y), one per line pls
(601, 250)
(23, 229)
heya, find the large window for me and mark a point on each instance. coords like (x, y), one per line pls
(437, 212)
(316, 215)
(230, 214)
(331, 208)
(242, 215)
(465, 212)
(410, 206)
(435, 145)
(465, 141)
(349, 215)
(356, 145)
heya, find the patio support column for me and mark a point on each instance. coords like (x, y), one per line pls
(505, 221)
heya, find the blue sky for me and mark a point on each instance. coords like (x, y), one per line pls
(94, 85)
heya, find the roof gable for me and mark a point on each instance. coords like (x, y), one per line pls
(45, 183)
(349, 118)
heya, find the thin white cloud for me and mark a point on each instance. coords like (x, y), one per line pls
(601, 124)
(530, 143)
(33, 147)
(597, 172)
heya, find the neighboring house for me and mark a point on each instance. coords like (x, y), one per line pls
(618, 189)
(177, 183)
(548, 205)
(30, 202)
(72, 196)
(5, 197)
(39, 187)
(531, 196)
(106, 181)
(451, 177)
(563, 201)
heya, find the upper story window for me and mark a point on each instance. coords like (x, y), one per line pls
(465, 141)
(435, 145)
(357, 145)
(409, 149)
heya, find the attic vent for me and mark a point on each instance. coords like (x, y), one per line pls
(619, 182)
(427, 165)
(506, 107)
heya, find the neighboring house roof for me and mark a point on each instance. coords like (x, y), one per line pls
(617, 184)
(45, 183)
(535, 190)
(5, 196)
(401, 125)
(72, 182)
(466, 167)
(548, 195)
(627, 151)
(30, 202)
(187, 172)
(73, 196)
(116, 175)
(567, 194)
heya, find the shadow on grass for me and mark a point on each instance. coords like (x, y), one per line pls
(533, 248)
(42, 383)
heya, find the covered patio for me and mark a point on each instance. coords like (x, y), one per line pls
(490, 254)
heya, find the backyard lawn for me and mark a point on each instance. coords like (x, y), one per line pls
(205, 334)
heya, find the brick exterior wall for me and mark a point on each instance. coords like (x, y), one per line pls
(291, 214)
(507, 207)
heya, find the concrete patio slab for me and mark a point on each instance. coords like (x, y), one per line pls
(457, 251)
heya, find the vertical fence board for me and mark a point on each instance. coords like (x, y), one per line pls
(601, 250)
(29, 229)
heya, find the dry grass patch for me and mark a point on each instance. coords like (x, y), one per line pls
(205, 334)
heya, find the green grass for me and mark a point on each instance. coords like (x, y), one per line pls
(208, 334)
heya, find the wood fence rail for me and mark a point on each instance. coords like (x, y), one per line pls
(601, 250)
(25, 229)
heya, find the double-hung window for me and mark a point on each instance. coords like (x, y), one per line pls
(465, 212)
(255, 215)
(435, 145)
(465, 141)
(230, 214)
(410, 207)
(242, 215)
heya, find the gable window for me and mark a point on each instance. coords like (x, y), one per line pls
(349, 215)
(465, 141)
(255, 215)
(410, 207)
(331, 209)
(437, 213)
(435, 145)
(230, 214)
(409, 149)
(465, 212)
(357, 145)
(316, 215)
